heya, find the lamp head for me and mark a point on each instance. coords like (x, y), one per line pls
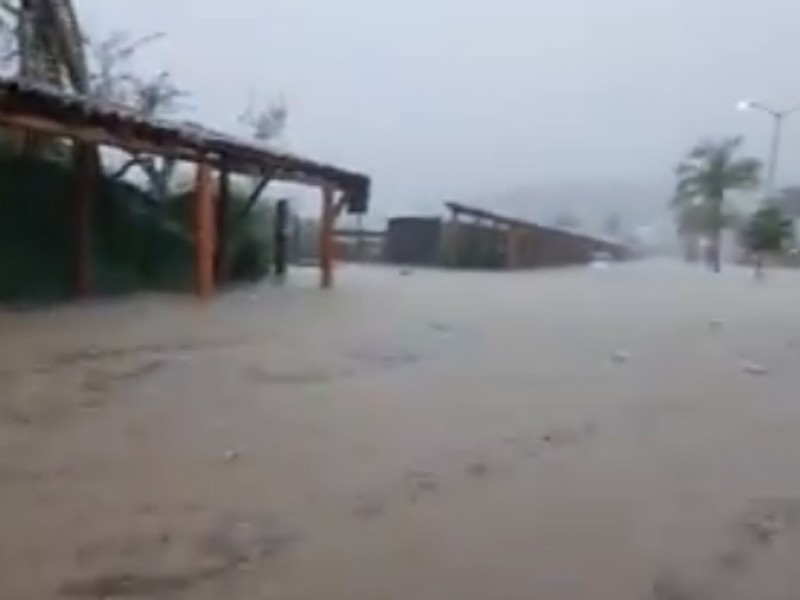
(744, 105)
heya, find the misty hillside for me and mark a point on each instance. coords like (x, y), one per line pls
(590, 203)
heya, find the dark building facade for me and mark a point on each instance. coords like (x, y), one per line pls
(414, 241)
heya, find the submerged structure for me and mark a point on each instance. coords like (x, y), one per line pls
(477, 238)
(43, 111)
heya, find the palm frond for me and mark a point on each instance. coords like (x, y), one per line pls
(687, 168)
(743, 174)
(709, 170)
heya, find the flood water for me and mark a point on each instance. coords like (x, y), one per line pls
(617, 434)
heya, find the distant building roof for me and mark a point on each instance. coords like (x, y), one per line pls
(481, 213)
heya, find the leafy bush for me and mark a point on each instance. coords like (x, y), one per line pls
(137, 243)
(249, 233)
(250, 242)
(768, 230)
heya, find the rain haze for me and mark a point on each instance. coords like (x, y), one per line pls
(470, 99)
(212, 390)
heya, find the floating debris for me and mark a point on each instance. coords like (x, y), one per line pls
(236, 538)
(559, 437)
(420, 482)
(767, 519)
(620, 356)
(369, 506)
(734, 561)
(231, 455)
(753, 368)
(672, 587)
(478, 469)
(118, 585)
(764, 529)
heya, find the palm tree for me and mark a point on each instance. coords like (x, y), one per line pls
(694, 218)
(691, 223)
(711, 169)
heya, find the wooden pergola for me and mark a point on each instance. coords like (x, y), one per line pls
(524, 243)
(44, 111)
(518, 235)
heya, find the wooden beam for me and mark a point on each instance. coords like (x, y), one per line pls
(340, 206)
(82, 212)
(326, 236)
(204, 231)
(137, 145)
(350, 233)
(94, 136)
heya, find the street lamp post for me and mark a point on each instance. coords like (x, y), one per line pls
(778, 119)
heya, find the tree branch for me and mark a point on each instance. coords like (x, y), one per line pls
(127, 166)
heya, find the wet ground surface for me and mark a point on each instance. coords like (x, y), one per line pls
(631, 433)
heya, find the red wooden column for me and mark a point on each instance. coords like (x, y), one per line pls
(326, 237)
(204, 231)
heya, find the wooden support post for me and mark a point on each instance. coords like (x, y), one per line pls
(531, 254)
(204, 226)
(512, 247)
(280, 238)
(222, 217)
(453, 241)
(360, 241)
(82, 204)
(326, 237)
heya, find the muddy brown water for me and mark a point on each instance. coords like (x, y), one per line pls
(556, 435)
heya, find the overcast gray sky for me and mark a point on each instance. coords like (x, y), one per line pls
(449, 98)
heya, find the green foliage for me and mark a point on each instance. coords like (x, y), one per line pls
(250, 243)
(768, 231)
(132, 246)
(249, 232)
(137, 243)
(32, 244)
(711, 169)
(788, 199)
(700, 217)
(708, 172)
